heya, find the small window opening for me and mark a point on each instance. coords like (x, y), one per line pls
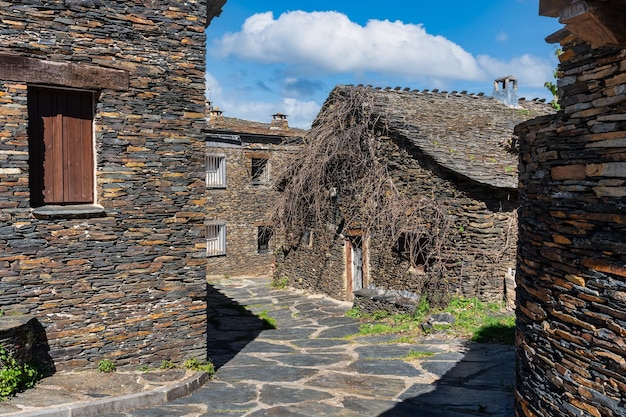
(264, 239)
(413, 248)
(260, 171)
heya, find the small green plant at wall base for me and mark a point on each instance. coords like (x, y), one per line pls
(196, 365)
(14, 377)
(355, 312)
(167, 365)
(280, 283)
(106, 366)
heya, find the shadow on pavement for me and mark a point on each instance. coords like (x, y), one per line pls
(230, 327)
(479, 382)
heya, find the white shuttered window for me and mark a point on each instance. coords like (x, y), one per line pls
(216, 239)
(215, 171)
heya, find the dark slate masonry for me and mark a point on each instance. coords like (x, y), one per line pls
(122, 278)
(571, 277)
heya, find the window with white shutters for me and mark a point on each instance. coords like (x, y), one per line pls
(215, 171)
(216, 239)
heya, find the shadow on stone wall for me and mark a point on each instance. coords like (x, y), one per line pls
(41, 351)
(479, 382)
(230, 327)
(24, 338)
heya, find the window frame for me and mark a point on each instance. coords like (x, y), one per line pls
(260, 171)
(215, 239)
(265, 239)
(219, 173)
(61, 140)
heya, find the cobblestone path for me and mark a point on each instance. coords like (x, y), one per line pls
(307, 366)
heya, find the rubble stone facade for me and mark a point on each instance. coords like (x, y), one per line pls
(122, 277)
(571, 276)
(449, 148)
(242, 203)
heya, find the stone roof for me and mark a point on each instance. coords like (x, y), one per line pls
(240, 126)
(462, 132)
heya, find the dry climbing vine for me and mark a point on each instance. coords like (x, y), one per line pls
(341, 181)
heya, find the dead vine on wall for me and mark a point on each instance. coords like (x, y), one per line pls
(341, 181)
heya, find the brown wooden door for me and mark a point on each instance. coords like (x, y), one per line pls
(61, 146)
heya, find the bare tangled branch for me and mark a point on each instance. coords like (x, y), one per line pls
(341, 180)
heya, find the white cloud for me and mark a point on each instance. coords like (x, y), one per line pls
(529, 70)
(502, 36)
(329, 41)
(301, 113)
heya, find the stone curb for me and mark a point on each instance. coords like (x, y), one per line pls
(121, 403)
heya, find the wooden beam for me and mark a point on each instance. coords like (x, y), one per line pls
(62, 74)
(597, 22)
(214, 9)
(552, 8)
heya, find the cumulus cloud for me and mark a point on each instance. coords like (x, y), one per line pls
(330, 42)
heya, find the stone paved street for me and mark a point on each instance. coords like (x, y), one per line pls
(306, 366)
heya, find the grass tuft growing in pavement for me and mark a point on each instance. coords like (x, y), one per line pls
(417, 354)
(478, 321)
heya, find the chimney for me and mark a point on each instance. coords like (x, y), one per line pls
(216, 120)
(505, 90)
(279, 122)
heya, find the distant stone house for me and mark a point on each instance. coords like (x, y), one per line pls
(242, 160)
(443, 159)
(102, 110)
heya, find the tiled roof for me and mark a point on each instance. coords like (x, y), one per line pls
(461, 132)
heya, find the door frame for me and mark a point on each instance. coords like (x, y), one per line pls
(355, 238)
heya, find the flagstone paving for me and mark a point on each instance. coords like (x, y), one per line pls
(308, 366)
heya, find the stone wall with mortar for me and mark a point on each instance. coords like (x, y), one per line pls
(571, 276)
(128, 286)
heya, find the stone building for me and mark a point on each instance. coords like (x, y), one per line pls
(102, 195)
(444, 153)
(571, 276)
(243, 158)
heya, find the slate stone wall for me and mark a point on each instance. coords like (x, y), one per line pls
(243, 207)
(320, 268)
(479, 252)
(17, 337)
(571, 277)
(129, 286)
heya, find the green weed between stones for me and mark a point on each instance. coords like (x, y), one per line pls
(478, 321)
(192, 364)
(268, 322)
(417, 355)
(14, 377)
(106, 366)
(196, 365)
(279, 283)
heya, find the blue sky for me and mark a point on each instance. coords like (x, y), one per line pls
(285, 56)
